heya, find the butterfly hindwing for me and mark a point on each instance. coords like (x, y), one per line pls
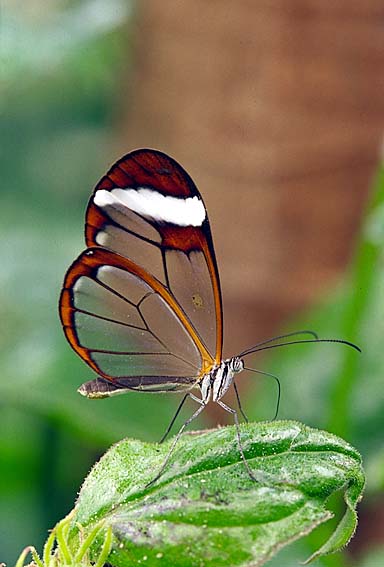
(127, 326)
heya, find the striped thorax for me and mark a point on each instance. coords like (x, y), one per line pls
(216, 383)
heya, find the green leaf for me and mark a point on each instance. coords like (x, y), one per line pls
(205, 509)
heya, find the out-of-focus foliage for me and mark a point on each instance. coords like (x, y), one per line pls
(61, 63)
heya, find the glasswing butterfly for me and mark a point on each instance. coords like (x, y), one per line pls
(142, 304)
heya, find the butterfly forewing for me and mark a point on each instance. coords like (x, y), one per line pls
(148, 209)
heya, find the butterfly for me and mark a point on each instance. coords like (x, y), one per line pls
(142, 305)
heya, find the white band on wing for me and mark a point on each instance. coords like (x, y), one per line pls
(152, 204)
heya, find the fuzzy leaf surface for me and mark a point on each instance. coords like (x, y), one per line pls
(205, 510)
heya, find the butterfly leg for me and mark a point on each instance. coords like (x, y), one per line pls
(235, 416)
(177, 437)
(239, 402)
(174, 418)
(258, 476)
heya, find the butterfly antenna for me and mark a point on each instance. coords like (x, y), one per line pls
(278, 386)
(305, 341)
(277, 338)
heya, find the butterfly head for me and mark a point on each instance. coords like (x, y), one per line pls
(236, 364)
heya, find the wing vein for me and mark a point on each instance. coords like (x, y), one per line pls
(129, 353)
(132, 232)
(109, 320)
(115, 292)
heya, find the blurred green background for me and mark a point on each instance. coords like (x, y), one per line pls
(62, 65)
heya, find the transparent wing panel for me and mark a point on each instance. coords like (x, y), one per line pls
(164, 324)
(90, 296)
(124, 365)
(139, 251)
(99, 334)
(127, 285)
(190, 282)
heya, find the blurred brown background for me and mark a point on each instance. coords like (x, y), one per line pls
(276, 109)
